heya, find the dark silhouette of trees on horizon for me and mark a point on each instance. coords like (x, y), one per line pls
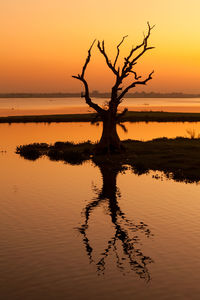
(110, 141)
(125, 243)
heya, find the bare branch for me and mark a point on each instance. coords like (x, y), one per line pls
(87, 59)
(135, 74)
(101, 48)
(130, 54)
(128, 64)
(123, 127)
(132, 85)
(86, 95)
(133, 62)
(118, 50)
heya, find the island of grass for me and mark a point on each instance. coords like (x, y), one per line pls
(178, 158)
(130, 116)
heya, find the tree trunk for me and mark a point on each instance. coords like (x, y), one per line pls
(110, 141)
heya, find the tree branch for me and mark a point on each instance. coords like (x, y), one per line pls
(87, 96)
(101, 48)
(128, 64)
(82, 79)
(135, 75)
(123, 127)
(132, 85)
(87, 59)
(118, 50)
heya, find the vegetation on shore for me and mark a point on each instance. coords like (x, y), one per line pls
(130, 116)
(178, 158)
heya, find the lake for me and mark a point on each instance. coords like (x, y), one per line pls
(35, 106)
(89, 232)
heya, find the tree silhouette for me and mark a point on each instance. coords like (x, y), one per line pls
(125, 240)
(110, 141)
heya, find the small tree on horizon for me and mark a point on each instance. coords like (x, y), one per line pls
(110, 141)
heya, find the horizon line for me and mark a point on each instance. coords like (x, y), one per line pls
(96, 94)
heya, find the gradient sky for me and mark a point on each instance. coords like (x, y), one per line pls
(44, 42)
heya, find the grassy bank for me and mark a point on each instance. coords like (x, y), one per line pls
(131, 116)
(178, 158)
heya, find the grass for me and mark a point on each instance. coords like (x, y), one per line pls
(178, 158)
(65, 151)
(130, 116)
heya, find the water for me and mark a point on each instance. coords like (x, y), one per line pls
(86, 232)
(35, 106)
(15, 134)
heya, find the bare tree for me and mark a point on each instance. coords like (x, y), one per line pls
(110, 141)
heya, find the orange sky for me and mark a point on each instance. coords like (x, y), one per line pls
(44, 42)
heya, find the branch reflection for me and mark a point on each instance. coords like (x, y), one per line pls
(125, 242)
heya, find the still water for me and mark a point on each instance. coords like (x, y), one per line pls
(88, 232)
(38, 106)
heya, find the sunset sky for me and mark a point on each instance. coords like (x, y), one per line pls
(44, 42)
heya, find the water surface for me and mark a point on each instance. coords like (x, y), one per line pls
(38, 106)
(88, 232)
(19, 133)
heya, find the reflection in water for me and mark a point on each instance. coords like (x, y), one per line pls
(125, 241)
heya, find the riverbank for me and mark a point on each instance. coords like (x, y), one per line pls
(130, 116)
(177, 158)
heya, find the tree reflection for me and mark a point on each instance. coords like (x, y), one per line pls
(125, 241)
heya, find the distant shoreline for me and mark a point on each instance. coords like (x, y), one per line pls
(97, 94)
(131, 116)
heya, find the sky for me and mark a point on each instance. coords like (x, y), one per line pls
(45, 42)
